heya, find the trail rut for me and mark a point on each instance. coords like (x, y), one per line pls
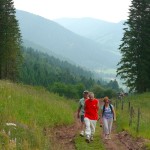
(64, 136)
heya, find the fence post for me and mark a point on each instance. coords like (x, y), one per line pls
(131, 115)
(122, 104)
(129, 106)
(138, 121)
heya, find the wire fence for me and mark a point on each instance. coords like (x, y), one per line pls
(138, 117)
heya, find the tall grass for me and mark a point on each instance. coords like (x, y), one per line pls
(31, 109)
(141, 101)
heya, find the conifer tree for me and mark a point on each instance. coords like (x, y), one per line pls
(135, 48)
(10, 41)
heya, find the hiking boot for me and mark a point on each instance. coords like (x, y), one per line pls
(106, 137)
(88, 139)
(82, 133)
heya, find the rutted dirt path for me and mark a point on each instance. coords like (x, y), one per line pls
(123, 141)
(114, 143)
(64, 136)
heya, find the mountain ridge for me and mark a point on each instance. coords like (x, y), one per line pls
(101, 31)
(49, 34)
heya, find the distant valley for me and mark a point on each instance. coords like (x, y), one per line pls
(78, 48)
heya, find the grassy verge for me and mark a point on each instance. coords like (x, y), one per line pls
(81, 144)
(124, 116)
(29, 110)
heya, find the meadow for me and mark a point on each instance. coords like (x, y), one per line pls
(25, 111)
(127, 119)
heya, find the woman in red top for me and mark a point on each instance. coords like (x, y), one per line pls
(91, 116)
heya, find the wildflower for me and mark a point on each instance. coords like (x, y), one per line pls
(11, 124)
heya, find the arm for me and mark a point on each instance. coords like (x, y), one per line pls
(85, 107)
(78, 112)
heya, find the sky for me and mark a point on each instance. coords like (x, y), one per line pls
(108, 10)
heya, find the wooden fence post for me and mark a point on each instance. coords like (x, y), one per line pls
(129, 106)
(122, 104)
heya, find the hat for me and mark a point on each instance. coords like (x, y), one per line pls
(85, 92)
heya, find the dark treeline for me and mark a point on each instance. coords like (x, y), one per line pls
(10, 41)
(134, 66)
(40, 69)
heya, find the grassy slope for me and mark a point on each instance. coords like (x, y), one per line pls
(141, 101)
(32, 109)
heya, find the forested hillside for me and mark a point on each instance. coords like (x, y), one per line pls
(40, 69)
(49, 69)
(50, 35)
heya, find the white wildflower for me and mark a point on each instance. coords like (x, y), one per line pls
(11, 124)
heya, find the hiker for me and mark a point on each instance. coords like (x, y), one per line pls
(91, 116)
(80, 113)
(108, 115)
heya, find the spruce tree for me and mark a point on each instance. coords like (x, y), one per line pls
(10, 41)
(135, 48)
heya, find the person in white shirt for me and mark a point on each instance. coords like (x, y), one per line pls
(80, 113)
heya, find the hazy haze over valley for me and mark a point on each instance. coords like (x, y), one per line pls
(91, 49)
(107, 34)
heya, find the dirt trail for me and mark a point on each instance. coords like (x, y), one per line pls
(65, 135)
(114, 143)
(123, 141)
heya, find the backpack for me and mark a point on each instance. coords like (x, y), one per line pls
(110, 108)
